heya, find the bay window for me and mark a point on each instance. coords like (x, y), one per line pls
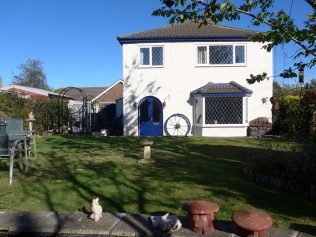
(220, 110)
(223, 110)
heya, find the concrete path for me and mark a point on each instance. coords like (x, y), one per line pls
(76, 224)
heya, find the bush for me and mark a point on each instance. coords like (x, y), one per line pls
(295, 115)
(13, 105)
(292, 113)
(45, 111)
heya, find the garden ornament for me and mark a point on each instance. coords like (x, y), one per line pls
(166, 224)
(96, 210)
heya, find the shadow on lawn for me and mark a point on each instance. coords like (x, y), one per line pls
(60, 168)
(178, 161)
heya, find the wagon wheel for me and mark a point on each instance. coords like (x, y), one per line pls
(22, 158)
(177, 125)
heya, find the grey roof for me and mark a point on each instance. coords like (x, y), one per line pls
(222, 88)
(91, 92)
(189, 31)
(30, 89)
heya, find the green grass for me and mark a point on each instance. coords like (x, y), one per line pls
(71, 170)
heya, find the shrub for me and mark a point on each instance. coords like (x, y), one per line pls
(295, 115)
(292, 114)
(45, 111)
(13, 105)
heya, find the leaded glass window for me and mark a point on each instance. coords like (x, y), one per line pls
(144, 56)
(151, 56)
(157, 56)
(240, 54)
(221, 54)
(198, 110)
(202, 55)
(223, 110)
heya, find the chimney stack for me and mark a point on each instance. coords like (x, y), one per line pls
(1, 83)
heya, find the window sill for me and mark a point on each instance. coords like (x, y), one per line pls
(220, 65)
(144, 67)
(221, 125)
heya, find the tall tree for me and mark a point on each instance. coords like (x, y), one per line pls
(1, 82)
(311, 85)
(282, 28)
(32, 75)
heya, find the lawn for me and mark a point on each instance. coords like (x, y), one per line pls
(70, 170)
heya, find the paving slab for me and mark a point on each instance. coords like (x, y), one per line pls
(275, 232)
(58, 223)
(140, 225)
(186, 232)
(30, 222)
(304, 235)
(77, 224)
(183, 232)
(133, 225)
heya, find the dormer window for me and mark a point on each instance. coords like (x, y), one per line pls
(151, 56)
(221, 55)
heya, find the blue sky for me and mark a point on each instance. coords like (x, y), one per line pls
(76, 39)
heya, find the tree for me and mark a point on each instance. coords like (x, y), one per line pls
(59, 90)
(282, 28)
(277, 89)
(311, 85)
(32, 75)
(281, 91)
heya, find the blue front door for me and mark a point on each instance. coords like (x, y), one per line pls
(150, 117)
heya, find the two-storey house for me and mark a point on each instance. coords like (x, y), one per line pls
(191, 80)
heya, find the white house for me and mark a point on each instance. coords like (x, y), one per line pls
(186, 80)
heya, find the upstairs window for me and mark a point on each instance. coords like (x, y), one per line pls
(202, 55)
(221, 55)
(151, 56)
(240, 54)
(144, 56)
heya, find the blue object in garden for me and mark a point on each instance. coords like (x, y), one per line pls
(150, 117)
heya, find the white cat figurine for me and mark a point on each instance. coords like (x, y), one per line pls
(169, 226)
(96, 210)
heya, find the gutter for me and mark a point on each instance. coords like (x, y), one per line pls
(181, 39)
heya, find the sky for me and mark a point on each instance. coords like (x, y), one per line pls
(77, 39)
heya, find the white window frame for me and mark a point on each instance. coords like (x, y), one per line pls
(234, 64)
(150, 56)
(203, 124)
(194, 111)
(197, 55)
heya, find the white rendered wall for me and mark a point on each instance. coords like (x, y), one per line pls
(220, 131)
(179, 76)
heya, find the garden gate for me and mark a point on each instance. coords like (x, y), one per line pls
(68, 114)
